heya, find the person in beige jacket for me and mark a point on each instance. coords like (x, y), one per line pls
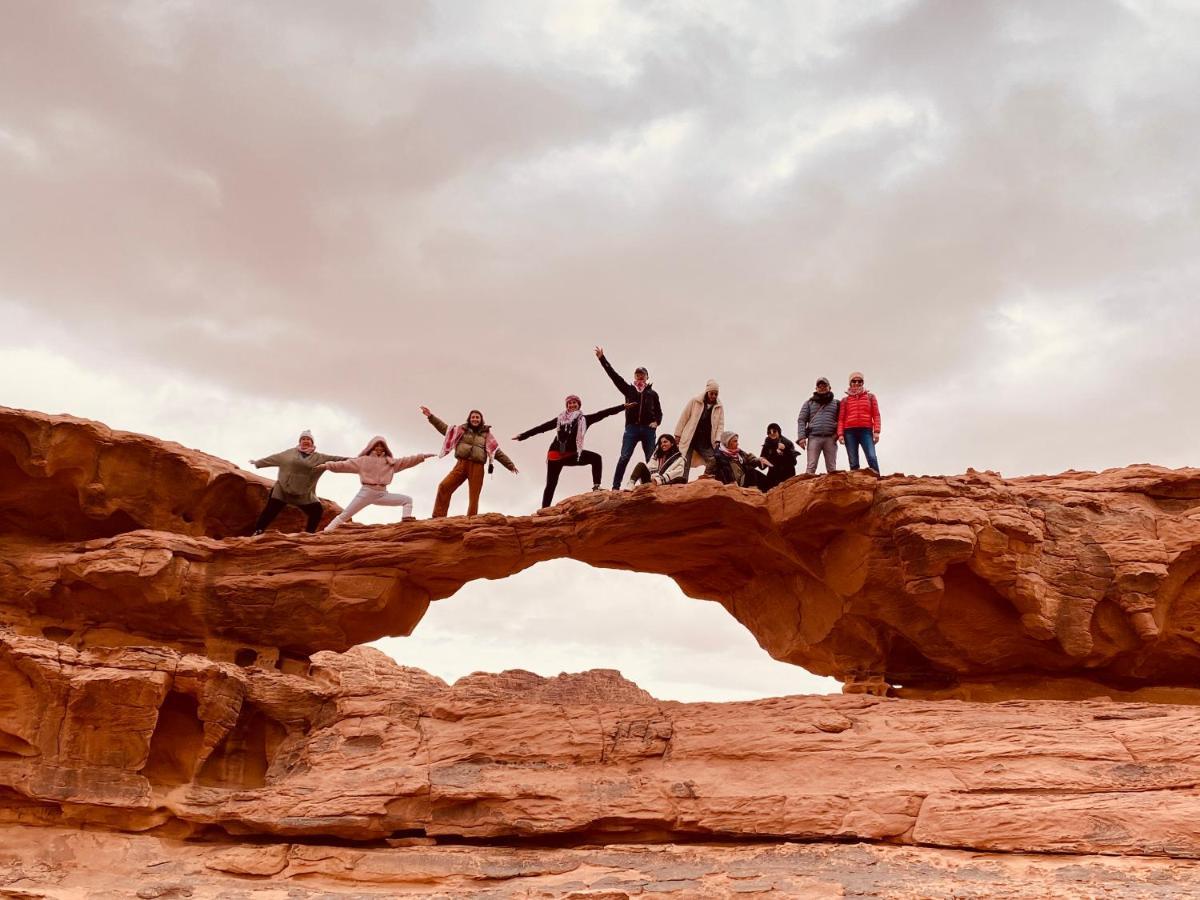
(375, 467)
(699, 428)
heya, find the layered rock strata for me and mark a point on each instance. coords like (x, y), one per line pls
(1080, 584)
(60, 863)
(64, 478)
(365, 751)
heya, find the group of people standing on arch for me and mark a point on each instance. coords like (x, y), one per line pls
(699, 439)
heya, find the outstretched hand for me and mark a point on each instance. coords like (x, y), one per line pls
(630, 405)
(599, 352)
(425, 411)
(254, 462)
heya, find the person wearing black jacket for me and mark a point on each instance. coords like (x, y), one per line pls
(643, 412)
(570, 427)
(781, 453)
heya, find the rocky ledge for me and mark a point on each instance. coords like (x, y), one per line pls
(972, 586)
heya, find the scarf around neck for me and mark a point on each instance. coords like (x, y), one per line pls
(566, 417)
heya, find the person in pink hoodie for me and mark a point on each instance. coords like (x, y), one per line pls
(375, 467)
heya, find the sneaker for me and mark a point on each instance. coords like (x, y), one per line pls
(597, 487)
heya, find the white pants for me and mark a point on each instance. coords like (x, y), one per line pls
(369, 496)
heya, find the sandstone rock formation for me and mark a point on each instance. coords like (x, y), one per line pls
(62, 863)
(63, 478)
(174, 721)
(362, 750)
(1080, 584)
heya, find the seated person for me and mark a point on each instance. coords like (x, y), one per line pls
(734, 466)
(665, 466)
(781, 453)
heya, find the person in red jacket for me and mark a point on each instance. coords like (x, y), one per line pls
(858, 422)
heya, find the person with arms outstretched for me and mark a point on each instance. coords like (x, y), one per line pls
(474, 447)
(375, 468)
(570, 428)
(299, 470)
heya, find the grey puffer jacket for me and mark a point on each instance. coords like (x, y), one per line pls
(817, 419)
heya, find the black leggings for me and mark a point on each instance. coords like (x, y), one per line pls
(554, 468)
(275, 506)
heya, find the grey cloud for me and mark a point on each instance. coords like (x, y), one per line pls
(417, 224)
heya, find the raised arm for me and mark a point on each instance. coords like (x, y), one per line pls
(437, 423)
(621, 383)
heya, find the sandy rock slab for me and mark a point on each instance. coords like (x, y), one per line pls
(64, 864)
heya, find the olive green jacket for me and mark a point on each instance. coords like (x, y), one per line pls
(297, 482)
(473, 444)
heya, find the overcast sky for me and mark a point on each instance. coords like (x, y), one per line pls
(223, 222)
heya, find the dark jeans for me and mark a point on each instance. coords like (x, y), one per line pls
(705, 452)
(275, 506)
(860, 437)
(554, 468)
(634, 435)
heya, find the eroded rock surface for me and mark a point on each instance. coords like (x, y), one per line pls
(63, 864)
(1075, 585)
(364, 750)
(68, 479)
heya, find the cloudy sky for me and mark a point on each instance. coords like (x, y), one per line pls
(226, 221)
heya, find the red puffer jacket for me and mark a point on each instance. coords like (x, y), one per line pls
(858, 411)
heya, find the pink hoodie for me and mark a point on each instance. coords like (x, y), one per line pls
(375, 471)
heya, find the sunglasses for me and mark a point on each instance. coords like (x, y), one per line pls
(856, 381)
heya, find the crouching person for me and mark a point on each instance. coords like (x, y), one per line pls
(735, 466)
(665, 465)
(375, 467)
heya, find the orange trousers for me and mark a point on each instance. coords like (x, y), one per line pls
(464, 470)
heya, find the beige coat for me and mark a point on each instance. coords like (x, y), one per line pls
(685, 429)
